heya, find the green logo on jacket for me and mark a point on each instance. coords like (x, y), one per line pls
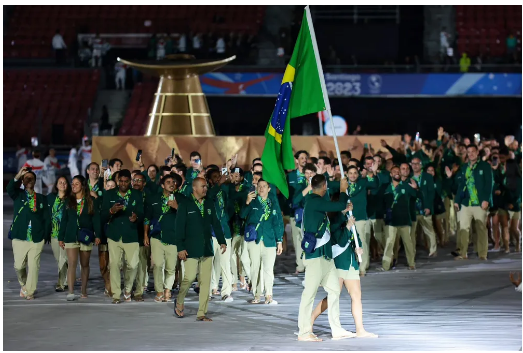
(209, 211)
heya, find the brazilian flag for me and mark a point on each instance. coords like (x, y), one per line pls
(300, 94)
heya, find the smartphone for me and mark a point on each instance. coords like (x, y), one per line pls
(34, 141)
(477, 137)
(105, 163)
(495, 161)
(171, 197)
(29, 169)
(366, 145)
(236, 170)
(224, 171)
(252, 189)
(417, 137)
(172, 154)
(138, 155)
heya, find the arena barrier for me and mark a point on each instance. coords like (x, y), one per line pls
(217, 149)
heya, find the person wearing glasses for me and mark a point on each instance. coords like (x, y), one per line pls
(31, 225)
(56, 201)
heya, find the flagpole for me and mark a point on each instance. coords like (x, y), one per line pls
(328, 107)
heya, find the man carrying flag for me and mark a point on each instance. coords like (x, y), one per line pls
(302, 93)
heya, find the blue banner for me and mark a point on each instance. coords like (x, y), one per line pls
(346, 85)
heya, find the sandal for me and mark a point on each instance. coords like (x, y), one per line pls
(178, 312)
(243, 285)
(138, 298)
(23, 293)
(166, 297)
(116, 301)
(215, 292)
(203, 318)
(127, 297)
(59, 288)
(107, 293)
(30, 297)
(234, 288)
(309, 338)
(83, 296)
(255, 301)
(158, 298)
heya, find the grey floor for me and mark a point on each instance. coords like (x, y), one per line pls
(444, 305)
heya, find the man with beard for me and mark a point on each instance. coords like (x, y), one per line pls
(195, 220)
(186, 187)
(397, 199)
(31, 225)
(296, 179)
(123, 209)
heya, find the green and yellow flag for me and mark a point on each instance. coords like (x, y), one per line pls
(300, 94)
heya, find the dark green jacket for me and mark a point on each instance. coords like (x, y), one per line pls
(294, 185)
(316, 221)
(426, 187)
(193, 231)
(397, 158)
(99, 184)
(270, 230)
(120, 227)
(186, 188)
(483, 181)
(341, 236)
(40, 220)
(71, 223)
(237, 200)
(359, 196)
(398, 215)
(153, 211)
(214, 194)
(375, 205)
(439, 204)
(298, 201)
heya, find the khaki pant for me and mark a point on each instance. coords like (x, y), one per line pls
(222, 265)
(246, 260)
(164, 258)
(262, 268)
(451, 219)
(378, 225)
(131, 253)
(203, 266)
(142, 273)
(27, 263)
(60, 255)
(297, 237)
(466, 216)
(364, 234)
(320, 272)
(237, 260)
(428, 229)
(392, 247)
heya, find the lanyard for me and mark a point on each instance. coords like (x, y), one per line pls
(79, 209)
(200, 205)
(266, 207)
(31, 199)
(300, 176)
(165, 207)
(352, 188)
(56, 216)
(125, 198)
(93, 188)
(395, 193)
(221, 203)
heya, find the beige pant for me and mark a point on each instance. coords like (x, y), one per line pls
(297, 237)
(238, 267)
(132, 258)
(27, 263)
(60, 255)
(164, 257)
(262, 268)
(378, 225)
(468, 214)
(392, 245)
(428, 229)
(203, 266)
(320, 272)
(142, 273)
(364, 234)
(450, 217)
(222, 265)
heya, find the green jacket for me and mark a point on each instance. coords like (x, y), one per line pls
(425, 160)
(186, 188)
(340, 235)
(270, 230)
(316, 221)
(237, 200)
(154, 210)
(298, 201)
(359, 196)
(426, 187)
(375, 205)
(71, 223)
(120, 227)
(397, 213)
(193, 231)
(483, 181)
(218, 194)
(397, 158)
(294, 184)
(439, 204)
(23, 215)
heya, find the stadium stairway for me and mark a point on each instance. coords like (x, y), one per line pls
(116, 102)
(275, 18)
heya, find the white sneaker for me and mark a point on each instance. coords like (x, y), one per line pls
(227, 299)
(272, 302)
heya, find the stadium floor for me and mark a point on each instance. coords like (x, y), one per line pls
(444, 305)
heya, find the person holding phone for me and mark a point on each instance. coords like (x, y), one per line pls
(81, 217)
(122, 208)
(56, 201)
(196, 166)
(31, 226)
(195, 220)
(186, 187)
(265, 215)
(161, 212)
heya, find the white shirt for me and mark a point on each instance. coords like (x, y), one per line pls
(50, 167)
(196, 42)
(38, 168)
(182, 43)
(73, 168)
(119, 67)
(85, 152)
(21, 154)
(58, 42)
(220, 46)
(443, 39)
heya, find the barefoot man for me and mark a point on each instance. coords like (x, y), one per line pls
(193, 235)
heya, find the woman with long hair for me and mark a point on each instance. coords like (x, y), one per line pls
(344, 253)
(56, 201)
(79, 228)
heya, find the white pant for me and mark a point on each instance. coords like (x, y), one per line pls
(120, 76)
